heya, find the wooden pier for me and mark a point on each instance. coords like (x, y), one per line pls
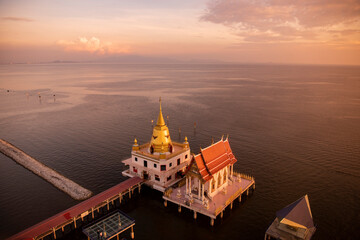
(77, 213)
(217, 205)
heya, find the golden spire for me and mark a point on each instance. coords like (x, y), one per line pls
(160, 139)
(160, 121)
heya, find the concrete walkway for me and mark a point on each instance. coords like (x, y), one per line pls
(66, 185)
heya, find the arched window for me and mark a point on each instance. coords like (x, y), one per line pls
(225, 175)
(219, 180)
(213, 185)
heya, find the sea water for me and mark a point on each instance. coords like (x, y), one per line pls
(296, 129)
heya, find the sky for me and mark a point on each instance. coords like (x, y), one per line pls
(239, 31)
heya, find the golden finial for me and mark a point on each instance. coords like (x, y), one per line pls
(222, 137)
(212, 140)
(160, 121)
(227, 136)
(186, 139)
(135, 147)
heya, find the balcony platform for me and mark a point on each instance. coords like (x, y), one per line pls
(217, 204)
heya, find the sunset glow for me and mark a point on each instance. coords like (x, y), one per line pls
(278, 31)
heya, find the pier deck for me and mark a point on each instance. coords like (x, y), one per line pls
(71, 215)
(219, 202)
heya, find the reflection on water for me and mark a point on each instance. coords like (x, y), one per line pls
(295, 128)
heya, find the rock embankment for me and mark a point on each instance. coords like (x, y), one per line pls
(64, 184)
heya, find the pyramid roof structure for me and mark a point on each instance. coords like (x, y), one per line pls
(297, 214)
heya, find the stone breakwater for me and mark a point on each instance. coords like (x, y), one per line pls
(64, 184)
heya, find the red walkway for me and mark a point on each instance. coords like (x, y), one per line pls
(76, 210)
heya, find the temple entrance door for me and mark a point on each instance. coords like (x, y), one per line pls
(145, 175)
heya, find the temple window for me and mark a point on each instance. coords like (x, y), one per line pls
(186, 156)
(155, 166)
(135, 169)
(170, 164)
(157, 178)
(163, 167)
(224, 176)
(213, 185)
(178, 161)
(136, 159)
(145, 163)
(168, 178)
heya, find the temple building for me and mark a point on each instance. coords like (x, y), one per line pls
(161, 162)
(210, 183)
(210, 171)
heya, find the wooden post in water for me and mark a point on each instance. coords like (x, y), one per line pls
(107, 204)
(240, 198)
(231, 205)
(132, 232)
(195, 215)
(74, 221)
(92, 212)
(54, 233)
(165, 203)
(221, 214)
(179, 209)
(211, 221)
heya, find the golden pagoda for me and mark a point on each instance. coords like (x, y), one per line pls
(160, 139)
(161, 161)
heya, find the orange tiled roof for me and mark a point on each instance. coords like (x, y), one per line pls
(214, 158)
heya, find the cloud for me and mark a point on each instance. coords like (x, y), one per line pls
(92, 45)
(17, 19)
(284, 19)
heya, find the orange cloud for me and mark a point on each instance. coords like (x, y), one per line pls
(284, 20)
(17, 19)
(92, 45)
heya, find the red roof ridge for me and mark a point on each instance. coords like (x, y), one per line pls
(206, 167)
(202, 149)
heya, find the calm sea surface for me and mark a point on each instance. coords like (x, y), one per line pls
(296, 129)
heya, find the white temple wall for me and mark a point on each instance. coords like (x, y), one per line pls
(219, 186)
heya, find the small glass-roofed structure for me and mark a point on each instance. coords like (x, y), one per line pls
(294, 222)
(110, 226)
